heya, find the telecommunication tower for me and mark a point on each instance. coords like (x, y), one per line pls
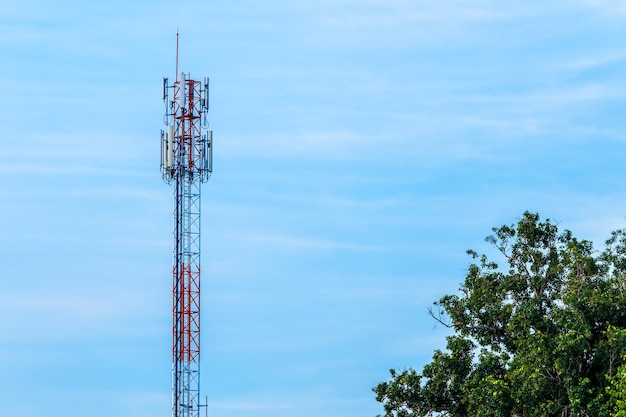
(186, 162)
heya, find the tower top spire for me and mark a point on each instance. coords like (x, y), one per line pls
(176, 54)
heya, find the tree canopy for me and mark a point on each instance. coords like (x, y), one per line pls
(542, 335)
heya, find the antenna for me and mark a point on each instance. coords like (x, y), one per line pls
(186, 162)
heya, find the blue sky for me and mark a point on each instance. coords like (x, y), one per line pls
(360, 148)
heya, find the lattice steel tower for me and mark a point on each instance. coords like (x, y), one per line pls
(186, 162)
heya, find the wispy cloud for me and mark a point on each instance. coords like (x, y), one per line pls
(361, 146)
(301, 403)
(55, 316)
(300, 243)
(307, 145)
(607, 8)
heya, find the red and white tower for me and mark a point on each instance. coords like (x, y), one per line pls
(186, 162)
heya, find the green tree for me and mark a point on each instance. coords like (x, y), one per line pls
(544, 336)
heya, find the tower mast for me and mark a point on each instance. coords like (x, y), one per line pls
(186, 162)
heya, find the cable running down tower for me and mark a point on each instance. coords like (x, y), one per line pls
(186, 162)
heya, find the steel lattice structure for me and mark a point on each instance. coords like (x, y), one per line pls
(186, 162)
